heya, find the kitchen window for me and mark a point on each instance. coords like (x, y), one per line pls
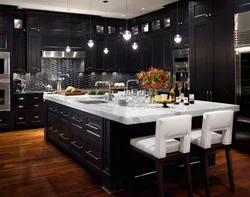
(166, 22)
(99, 29)
(18, 23)
(135, 30)
(156, 25)
(121, 30)
(145, 28)
(111, 30)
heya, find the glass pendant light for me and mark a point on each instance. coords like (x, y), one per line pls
(90, 42)
(127, 34)
(134, 45)
(68, 49)
(178, 37)
(105, 50)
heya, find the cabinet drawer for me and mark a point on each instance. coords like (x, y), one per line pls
(36, 98)
(21, 105)
(36, 117)
(63, 113)
(93, 153)
(21, 118)
(52, 108)
(4, 119)
(94, 127)
(76, 118)
(63, 136)
(37, 105)
(53, 127)
(77, 143)
(20, 98)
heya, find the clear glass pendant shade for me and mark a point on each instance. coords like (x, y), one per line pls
(106, 51)
(68, 49)
(135, 46)
(178, 38)
(127, 35)
(91, 43)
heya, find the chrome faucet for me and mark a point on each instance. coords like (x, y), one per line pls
(107, 83)
(59, 81)
(132, 80)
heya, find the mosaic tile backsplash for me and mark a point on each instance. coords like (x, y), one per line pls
(52, 68)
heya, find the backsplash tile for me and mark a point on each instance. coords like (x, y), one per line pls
(52, 68)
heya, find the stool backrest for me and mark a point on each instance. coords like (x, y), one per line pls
(170, 128)
(214, 122)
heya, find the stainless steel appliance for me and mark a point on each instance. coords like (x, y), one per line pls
(242, 66)
(181, 68)
(4, 66)
(4, 81)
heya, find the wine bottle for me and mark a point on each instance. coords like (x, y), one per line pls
(176, 94)
(186, 95)
(182, 92)
(191, 94)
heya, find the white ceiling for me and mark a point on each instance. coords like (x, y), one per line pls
(115, 8)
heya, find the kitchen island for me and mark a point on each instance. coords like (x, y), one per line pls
(98, 133)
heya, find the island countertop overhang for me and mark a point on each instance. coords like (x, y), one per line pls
(130, 116)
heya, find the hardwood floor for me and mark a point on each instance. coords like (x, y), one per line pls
(29, 167)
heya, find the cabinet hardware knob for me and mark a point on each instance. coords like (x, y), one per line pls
(207, 96)
(20, 118)
(36, 105)
(1, 120)
(21, 99)
(51, 109)
(55, 131)
(209, 15)
(62, 136)
(36, 117)
(211, 96)
(20, 106)
(38, 30)
(64, 115)
(36, 98)
(24, 29)
(75, 145)
(75, 119)
(92, 133)
(91, 155)
(206, 15)
(92, 127)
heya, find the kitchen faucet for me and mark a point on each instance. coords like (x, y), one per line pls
(132, 80)
(107, 83)
(59, 81)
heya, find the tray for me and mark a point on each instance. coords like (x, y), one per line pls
(83, 92)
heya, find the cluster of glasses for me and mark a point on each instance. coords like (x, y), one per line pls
(137, 98)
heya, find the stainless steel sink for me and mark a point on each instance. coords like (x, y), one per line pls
(93, 102)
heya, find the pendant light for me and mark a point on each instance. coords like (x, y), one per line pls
(178, 37)
(134, 45)
(105, 50)
(127, 34)
(68, 49)
(90, 42)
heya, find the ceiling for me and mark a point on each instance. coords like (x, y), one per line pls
(115, 8)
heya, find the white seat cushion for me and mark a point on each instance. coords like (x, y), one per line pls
(196, 137)
(147, 144)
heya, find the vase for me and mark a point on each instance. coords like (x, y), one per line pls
(152, 94)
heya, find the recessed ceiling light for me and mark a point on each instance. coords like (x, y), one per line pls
(123, 15)
(142, 8)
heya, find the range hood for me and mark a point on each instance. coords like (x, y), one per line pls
(64, 54)
(242, 31)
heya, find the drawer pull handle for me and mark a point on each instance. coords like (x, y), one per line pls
(75, 119)
(20, 118)
(21, 99)
(91, 155)
(62, 136)
(36, 98)
(1, 120)
(20, 106)
(92, 127)
(36, 117)
(36, 105)
(64, 115)
(93, 133)
(51, 109)
(55, 131)
(36, 121)
(75, 145)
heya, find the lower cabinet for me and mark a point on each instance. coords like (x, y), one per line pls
(4, 120)
(79, 134)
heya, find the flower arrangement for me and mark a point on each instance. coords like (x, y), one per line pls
(153, 80)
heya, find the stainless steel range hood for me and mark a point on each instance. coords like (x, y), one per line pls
(64, 54)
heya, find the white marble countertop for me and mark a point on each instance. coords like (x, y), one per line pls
(129, 116)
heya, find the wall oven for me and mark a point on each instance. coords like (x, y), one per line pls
(181, 68)
(4, 96)
(4, 66)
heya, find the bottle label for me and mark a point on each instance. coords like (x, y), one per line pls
(191, 97)
(182, 95)
(178, 99)
(185, 100)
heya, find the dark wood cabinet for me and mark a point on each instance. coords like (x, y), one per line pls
(212, 56)
(110, 57)
(158, 50)
(122, 54)
(147, 52)
(100, 44)
(90, 60)
(242, 5)
(5, 118)
(33, 52)
(33, 23)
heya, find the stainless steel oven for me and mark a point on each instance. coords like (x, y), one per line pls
(4, 96)
(181, 68)
(4, 66)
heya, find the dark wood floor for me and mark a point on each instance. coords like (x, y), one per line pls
(30, 167)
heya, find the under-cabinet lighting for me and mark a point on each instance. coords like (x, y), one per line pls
(243, 49)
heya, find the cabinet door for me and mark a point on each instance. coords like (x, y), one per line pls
(63, 135)
(222, 59)
(158, 50)
(33, 24)
(201, 71)
(110, 57)
(53, 127)
(167, 44)
(19, 60)
(99, 54)
(199, 10)
(33, 52)
(90, 60)
(135, 58)
(122, 55)
(3, 40)
(147, 55)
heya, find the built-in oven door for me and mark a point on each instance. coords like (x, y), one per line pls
(4, 65)
(4, 96)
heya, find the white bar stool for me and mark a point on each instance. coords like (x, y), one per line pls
(163, 147)
(207, 140)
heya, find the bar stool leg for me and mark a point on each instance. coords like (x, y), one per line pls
(230, 167)
(188, 171)
(159, 171)
(205, 165)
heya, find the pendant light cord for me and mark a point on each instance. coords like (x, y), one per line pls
(126, 14)
(90, 21)
(68, 22)
(134, 19)
(177, 16)
(105, 25)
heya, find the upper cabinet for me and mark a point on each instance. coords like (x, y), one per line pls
(242, 5)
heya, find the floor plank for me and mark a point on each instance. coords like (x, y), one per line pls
(29, 167)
